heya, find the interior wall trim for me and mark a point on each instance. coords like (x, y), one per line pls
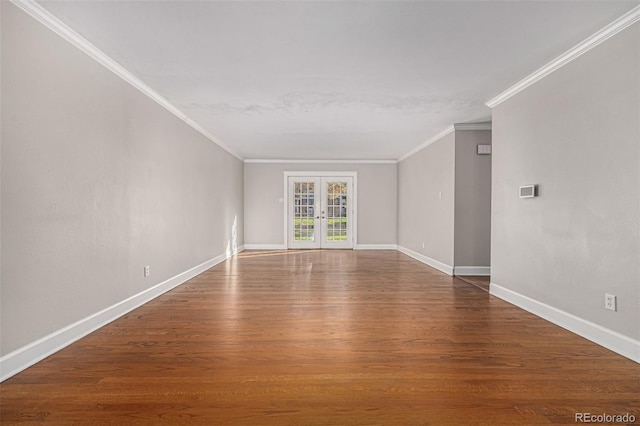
(282, 161)
(584, 46)
(610, 339)
(375, 247)
(50, 21)
(442, 267)
(425, 144)
(484, 271)
(264, 247)
(26, 356)
(473, 126)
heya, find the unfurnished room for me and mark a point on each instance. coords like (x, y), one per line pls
(320, 212)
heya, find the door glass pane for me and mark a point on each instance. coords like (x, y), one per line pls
(303, 219)
(337, 211)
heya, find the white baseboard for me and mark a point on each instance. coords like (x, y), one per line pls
(483, 271)
(264, 247)
(24, 357)
(356, 247)
(427, 260)
(238, 249)
(610, 339)
(375, 247)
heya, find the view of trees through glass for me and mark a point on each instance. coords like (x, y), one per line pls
(305, 214)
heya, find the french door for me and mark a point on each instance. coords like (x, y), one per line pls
(320, 212)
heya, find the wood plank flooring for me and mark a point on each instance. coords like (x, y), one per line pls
(481, 282)
(324, 338)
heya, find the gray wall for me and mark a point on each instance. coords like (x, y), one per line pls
(576, 134)
(472, 243)
(422, 215)
(264, 214)
(97, 181)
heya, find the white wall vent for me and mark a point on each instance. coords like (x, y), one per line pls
(484, 149)
(528, 191)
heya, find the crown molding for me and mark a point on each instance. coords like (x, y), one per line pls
(589, 43)
(423, 145)
(270, 161)
(445, 132)
(472, 126)
(50, 21)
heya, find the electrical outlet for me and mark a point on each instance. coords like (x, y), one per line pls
(423, 244)
(440, 194)
(610, 302)
(147, 271)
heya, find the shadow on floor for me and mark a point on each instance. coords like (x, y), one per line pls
(478, 281)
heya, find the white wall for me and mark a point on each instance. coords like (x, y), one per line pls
(472, 241)
(576, 134)
(424, 216)
(97, 181)
(444, 202)
(264, 214)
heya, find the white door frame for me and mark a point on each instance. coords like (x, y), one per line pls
(354, 200)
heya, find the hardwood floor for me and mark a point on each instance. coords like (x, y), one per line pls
(479, 281)
(325, 337)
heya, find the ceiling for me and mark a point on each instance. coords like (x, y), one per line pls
(333, 80)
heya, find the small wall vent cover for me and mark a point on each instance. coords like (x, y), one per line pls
(484, 149)
(528, 191)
